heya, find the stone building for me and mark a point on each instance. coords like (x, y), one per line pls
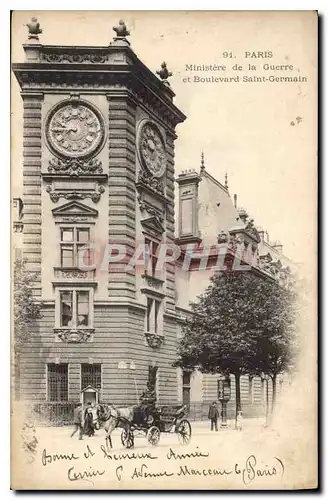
(209, 215)
(98, 167)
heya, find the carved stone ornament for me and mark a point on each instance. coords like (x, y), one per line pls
(151, 148)
(152, 282)
(151, 182)
(164, 73)
(223, 237)
(52, 56)
(74, 211)
(150, 209)
(121, 30)
(75, 166)
(74, 129)
(94, 195)
(252, 231)
(272, 267)
(154, 340)
(34, 29)
(75, 336)
(72, 273)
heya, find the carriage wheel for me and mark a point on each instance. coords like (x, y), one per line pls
(184, 432)
(127, 438)
(153, 435)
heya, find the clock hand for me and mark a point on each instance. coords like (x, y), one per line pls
(59, 129)
(72, 128)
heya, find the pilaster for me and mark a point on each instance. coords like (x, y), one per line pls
(121, 195)
(170, 227)
(32, 233)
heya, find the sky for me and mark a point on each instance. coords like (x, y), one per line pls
(245, 129)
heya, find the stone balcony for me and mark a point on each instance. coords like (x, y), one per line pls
(152, 285)
(74, 335)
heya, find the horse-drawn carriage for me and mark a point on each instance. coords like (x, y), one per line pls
(154, 422)
(149, 421)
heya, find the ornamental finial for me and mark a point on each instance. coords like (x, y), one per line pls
(121, 30)
(164, 73)
(202, 164)
(34, 29)
(226, 181)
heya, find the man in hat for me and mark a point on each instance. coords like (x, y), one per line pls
(213, 415)
(78, 419)
(89, 429)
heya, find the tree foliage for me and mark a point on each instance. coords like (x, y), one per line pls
(26, 309)
(243, 323)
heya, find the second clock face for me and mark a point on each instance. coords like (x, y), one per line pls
(152, 149)
(75, 130)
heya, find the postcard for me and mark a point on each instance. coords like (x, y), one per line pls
(164, 250)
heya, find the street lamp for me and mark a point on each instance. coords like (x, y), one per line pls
(224, 394)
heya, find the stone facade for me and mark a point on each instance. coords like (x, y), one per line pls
(110, 194)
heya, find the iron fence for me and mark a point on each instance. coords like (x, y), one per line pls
(58, 414)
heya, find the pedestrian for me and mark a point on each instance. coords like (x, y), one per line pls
(213, 414)
(78, 418)
(89, 429)
(239, 421)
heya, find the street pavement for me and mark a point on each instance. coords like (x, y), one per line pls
(252, 458)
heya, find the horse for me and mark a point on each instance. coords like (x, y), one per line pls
(109, 417)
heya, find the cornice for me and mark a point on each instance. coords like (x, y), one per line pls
(134, 77)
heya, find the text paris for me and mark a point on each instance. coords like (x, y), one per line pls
(252, 470)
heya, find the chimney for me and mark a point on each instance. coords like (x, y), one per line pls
(188, 182)
(235, 200)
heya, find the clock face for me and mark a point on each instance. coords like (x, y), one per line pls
(152, 149)
(75, 130)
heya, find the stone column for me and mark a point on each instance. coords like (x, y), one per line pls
(122, 198)
(170, 223)
(32, 103)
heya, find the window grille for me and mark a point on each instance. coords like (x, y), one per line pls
(57, 382)
(91, 375)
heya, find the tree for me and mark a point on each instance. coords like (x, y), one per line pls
(225, 331)
(26, 311)
(278, 346)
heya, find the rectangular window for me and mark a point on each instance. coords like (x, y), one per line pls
(157, 308)
(186, 378)
(57, 382)
(66, 309)
(153, 315)
(91, 375)
(82, 301)
(71, 241)
(149, 309)
(74, 308)
(151, 256)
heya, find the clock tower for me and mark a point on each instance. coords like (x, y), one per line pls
(98, 169)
